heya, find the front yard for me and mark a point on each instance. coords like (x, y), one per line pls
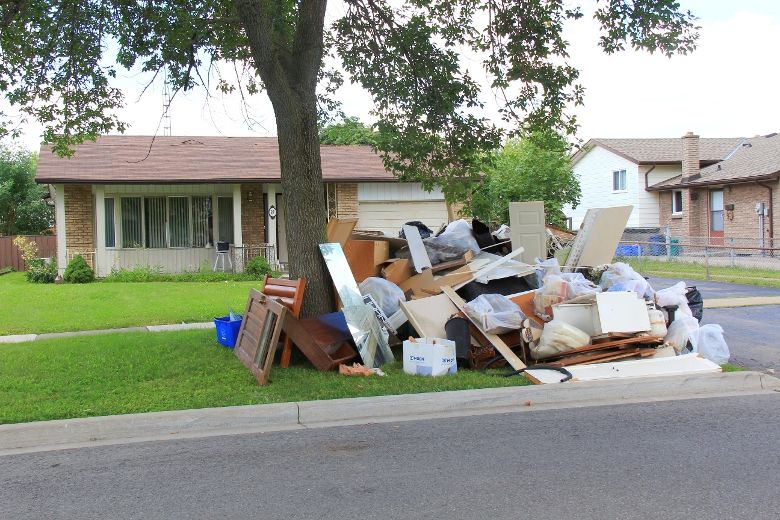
(36, 308)
(145, 372)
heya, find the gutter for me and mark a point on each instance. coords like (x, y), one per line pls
(647, 184)
(724, 182)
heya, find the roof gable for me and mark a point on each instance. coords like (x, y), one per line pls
(661, 150)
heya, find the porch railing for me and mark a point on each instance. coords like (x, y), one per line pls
(241, 255)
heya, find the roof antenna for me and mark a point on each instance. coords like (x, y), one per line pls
(166, 93)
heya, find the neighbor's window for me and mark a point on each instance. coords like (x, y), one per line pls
(619, 180)
(201, 221)
(677, 202)
(225, 210)
(154, 213)
(179, 221)
(132, 232)
(108, 204)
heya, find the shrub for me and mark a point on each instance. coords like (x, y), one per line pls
(41, 271)
(136, 274)
(156, 274)
(259, 267)
(78, 271)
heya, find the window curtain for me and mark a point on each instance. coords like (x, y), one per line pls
(179, 221)
(155, 222)
(225, 219)
(110, 229)
(201, 217)
(131, 222)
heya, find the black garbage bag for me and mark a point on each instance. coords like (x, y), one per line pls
(425, 231)
(695, 302)
(482, 234)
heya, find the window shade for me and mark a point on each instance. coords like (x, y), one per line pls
(226, 219)
(179, 221)
(109, 222)
(131, 222)
(201, 216)
(155, 221)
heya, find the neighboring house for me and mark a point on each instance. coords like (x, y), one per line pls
(617, 172)
(127, 201)
(730, 202)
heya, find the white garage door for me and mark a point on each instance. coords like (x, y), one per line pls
(389, 216)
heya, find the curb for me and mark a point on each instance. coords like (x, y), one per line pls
(23, 338)
(209, 422)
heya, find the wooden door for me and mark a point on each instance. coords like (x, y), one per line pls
(526, 222)
(717, 222)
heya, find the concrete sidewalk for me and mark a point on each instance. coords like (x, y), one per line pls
(209, 422)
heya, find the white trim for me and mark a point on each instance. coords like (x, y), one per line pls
(100, 225)
(59, 219)
(238, 239)
(680, 209)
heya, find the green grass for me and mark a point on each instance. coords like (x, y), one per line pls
(691, 271)
(35, 308)
(145, 372)
(730, 367)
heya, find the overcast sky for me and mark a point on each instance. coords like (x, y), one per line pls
(727, 87)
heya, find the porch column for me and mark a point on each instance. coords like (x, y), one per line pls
(59, 219)
(100, 229)
(238, 239)
(271, 217)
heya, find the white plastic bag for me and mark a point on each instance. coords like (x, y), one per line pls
(680, 331)
(495, 313)
(384, 292)
(560, 288)
(543, 268)
(709, 342)
(622, 277)
(455, 240)
(674, 295)
(559, 336)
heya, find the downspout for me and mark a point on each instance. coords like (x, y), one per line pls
(771, 216)
(647, 185)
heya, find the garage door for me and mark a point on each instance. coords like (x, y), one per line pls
(389, 216)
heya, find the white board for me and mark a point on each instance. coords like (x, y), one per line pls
(417, 249)
(599, 236)
(527, 229)
(622, 312)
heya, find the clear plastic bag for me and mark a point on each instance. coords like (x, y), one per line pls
(680, 332)
(560, 288)
(495, 313)
(709, 342)
(674, 295)
(543, 268)
(559, 336)
(622, 277)
(455, 240)
(384, 292)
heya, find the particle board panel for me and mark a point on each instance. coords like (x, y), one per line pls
(597, 241)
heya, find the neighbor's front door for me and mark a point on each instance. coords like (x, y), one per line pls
(716, 217)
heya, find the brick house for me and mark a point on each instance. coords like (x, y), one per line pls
(127, 201)
(732, 199)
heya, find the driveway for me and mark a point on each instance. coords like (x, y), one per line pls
(752, 333)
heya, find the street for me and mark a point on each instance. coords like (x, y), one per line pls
(695, 459)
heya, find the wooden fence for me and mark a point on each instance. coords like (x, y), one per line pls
(10, 255)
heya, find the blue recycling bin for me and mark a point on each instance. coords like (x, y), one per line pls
(227, 331)
(658, 245)
(629, 250)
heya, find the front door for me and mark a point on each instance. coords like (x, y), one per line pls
(716, 218)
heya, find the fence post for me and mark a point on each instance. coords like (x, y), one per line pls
(668, 240)
(733, 254)
(706, 262)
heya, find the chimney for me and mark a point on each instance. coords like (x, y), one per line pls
(690, 156)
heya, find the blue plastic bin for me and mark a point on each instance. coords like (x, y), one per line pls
(629, 250)
(227, 331)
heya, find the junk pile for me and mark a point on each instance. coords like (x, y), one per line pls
(468, 298)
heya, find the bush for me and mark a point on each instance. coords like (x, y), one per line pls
(258, 267)
(156, 274)
(40, 271)
(78, 271)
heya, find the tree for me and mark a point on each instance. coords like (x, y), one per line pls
(535, 168)
(348, 131)
(55, 68)
(22, 208)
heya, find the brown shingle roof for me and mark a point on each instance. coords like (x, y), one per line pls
(662, 150)
(175, 160)
(758, 158)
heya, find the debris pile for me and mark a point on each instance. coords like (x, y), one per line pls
(465, 297)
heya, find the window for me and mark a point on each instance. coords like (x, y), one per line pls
(154, 218)
(179, 221)
(677, 202)
(716, 210)
(132, 232)
(619, 180)
(201, 221)
(225, 205)
(108, 204)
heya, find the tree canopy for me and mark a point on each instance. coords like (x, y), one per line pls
(59, 61)
(22, 208)
(348, 131)
(535, 168)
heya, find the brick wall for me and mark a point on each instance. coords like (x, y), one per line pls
(346, 200)
(252, 214)
(79, 218)
(742, 222)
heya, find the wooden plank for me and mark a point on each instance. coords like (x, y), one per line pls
(417, 249)
(340, 229)
(502, 348)
(644, 340)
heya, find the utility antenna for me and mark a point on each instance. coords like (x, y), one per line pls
(166, 104)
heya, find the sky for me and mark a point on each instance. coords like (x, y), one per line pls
(727, 87)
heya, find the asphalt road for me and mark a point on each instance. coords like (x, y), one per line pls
(694, 459)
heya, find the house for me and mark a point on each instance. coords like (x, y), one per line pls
(127, 201)
(618, 172)
(729, 202)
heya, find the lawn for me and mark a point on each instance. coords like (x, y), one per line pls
(146, 372)
(36, 308)
(691, 271)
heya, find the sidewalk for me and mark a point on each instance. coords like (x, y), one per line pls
(712, 303)
(233, 420)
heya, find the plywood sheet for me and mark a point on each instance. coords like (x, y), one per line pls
(527, 229)
(340, 229)
(428, 315)
(597, 241)
(651, 367)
